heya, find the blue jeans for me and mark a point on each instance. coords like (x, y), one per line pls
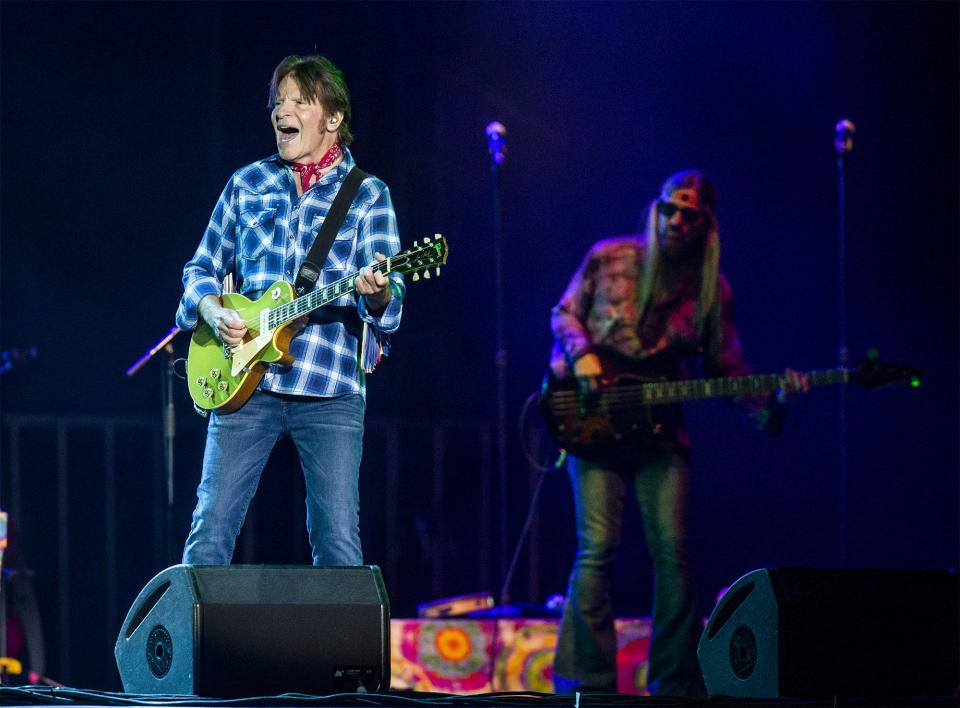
(587, 646)
(328, 434)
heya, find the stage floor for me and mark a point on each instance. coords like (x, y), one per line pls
(77, 698)
(485, 663)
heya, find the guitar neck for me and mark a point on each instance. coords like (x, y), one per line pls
(316, 299)
(698, 389)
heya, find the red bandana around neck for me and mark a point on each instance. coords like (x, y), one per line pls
(315, 168)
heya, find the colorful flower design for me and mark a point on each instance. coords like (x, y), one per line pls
(525, 655)
(452, 656)
(453, 644)
(478, 656)
(633, 648)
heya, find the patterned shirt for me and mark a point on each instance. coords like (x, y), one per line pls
(261, 231)
(599, 313)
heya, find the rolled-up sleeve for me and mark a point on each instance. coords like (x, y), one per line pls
(378, 233)
(568, 318)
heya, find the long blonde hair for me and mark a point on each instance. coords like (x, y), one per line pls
(710, 267)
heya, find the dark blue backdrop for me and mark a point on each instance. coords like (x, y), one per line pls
(122, 122)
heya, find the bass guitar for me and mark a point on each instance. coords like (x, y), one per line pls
(222, 377)
(623, 411)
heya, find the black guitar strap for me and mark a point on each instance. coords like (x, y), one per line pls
(310, 270)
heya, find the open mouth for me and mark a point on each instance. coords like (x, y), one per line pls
(285, 133)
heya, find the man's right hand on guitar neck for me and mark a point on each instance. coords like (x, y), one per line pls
(226, 324)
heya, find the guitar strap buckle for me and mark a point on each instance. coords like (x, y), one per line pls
(307, 277)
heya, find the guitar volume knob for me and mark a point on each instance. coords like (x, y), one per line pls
(214, 374)
(223, 386)
(207, 392)
(201, 381)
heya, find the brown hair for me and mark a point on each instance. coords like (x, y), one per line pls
(707, 301)
(319, 80)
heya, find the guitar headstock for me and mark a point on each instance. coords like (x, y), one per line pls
(421, 258)
(872, 373)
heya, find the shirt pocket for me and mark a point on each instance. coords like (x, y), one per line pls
(342, 253)
(257, 225)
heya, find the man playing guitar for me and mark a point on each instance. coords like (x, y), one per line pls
(261, 230)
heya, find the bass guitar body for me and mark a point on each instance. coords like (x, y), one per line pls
(221, 379)
(598, 423)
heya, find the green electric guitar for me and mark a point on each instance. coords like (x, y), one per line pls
(222, 377)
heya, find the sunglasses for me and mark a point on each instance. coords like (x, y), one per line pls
(688, 214)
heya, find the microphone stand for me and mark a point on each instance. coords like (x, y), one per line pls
(500, 364)
(497, 146)
(168, 415)
(843, 144)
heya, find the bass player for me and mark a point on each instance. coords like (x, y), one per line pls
(656, 300)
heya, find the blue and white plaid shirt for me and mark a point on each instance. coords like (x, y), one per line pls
(261, 231)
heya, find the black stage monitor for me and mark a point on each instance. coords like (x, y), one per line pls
(817, 633)
(229, 631)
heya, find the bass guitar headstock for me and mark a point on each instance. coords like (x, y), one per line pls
(872, 373)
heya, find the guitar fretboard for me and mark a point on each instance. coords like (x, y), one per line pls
(419, 258)
(697, 389)
(318, 298)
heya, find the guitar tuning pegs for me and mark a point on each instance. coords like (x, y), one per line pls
(415, 244)
(416, 277)
(426, 274)
(438, 271)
